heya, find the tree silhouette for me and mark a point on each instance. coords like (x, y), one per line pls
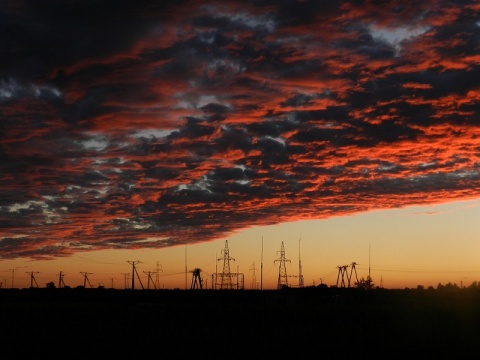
(365, 284)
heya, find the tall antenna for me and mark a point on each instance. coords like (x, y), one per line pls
(261, 269)
(282, 269)
(13, 276)
(214, 282)
(300, 276)
(185, 266)
(369, 277)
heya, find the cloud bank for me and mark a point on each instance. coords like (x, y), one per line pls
(152, 124)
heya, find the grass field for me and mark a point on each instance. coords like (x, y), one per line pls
(308, 323)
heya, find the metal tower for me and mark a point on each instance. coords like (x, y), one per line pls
(282, 269)
(61, 283)
(157, 276)
(351, 272)
(226, 275)
(343, 272)
(32, 278)
(85, 279)
(196, 279)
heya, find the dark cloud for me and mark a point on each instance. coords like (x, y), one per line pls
(122, 122)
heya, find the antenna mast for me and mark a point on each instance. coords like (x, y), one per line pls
(300, 276)
(185, 266)
(261, 269)
(369, 277)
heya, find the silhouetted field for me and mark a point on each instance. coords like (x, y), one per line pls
(308, 323)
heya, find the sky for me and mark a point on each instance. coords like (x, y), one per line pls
(153, 136)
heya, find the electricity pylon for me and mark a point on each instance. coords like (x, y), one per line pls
(85, 279)
(343, 273)
(32, 278)
(282, 269)
(61, 283)
(226, 275)
(157, 276)
(197, 282)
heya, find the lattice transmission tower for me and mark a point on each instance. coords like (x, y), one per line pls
(226, 275)
(282, 269)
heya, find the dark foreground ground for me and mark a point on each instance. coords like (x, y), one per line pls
(308, 323)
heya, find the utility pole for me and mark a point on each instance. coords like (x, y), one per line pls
(149, 276)
(134, 271)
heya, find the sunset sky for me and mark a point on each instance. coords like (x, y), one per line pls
(157, 131)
